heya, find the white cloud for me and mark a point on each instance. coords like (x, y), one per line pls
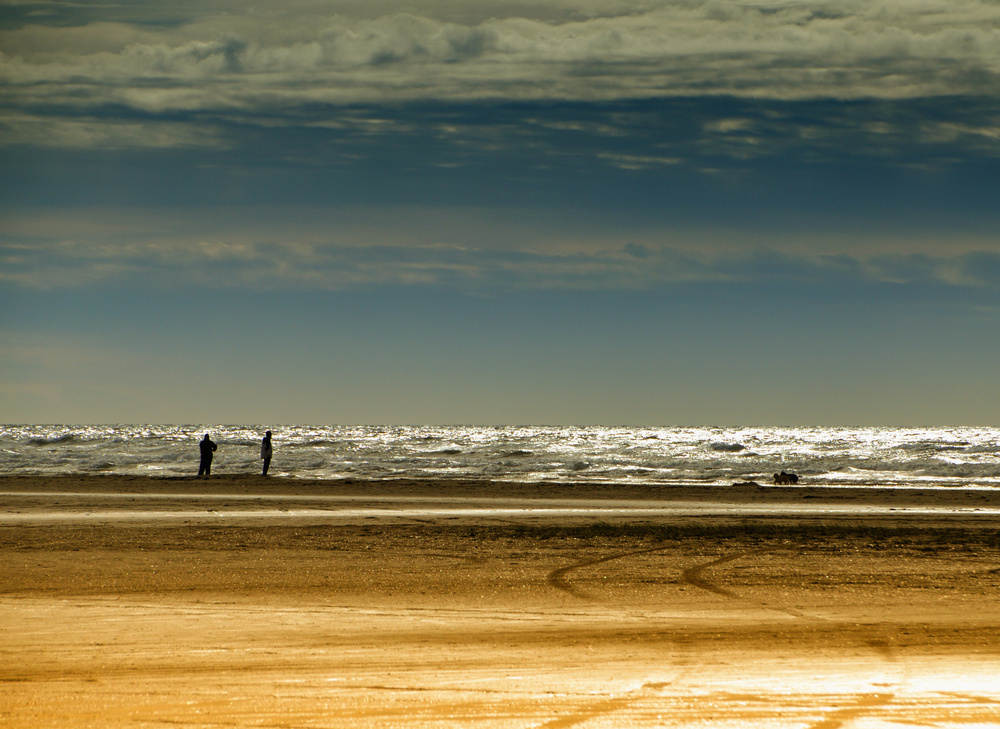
(273, 59)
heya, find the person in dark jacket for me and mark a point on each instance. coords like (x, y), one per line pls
(266, 451)
(207, 449)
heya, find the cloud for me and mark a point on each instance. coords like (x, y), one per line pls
(291, 58)
(168, 260)
(89, 132)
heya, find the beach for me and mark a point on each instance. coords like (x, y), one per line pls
(237, 600)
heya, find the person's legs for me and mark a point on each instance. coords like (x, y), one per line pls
(201, 467)
(267, 464)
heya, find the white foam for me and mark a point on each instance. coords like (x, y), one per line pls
(664, 456)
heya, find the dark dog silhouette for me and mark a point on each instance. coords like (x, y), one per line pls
(785, 478)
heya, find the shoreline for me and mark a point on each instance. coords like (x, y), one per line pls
(258, 501)
(238, 483)
(244, 488)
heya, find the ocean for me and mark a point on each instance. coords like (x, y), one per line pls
(945, 457)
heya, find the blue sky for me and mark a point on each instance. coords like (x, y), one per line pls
(468, 212)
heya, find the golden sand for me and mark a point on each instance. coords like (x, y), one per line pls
(243, 601)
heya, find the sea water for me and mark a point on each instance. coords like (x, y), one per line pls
(947, 456)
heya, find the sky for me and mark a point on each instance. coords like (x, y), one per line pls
(566, 212)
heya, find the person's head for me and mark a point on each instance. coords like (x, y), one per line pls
(206, 436)
(267, 434)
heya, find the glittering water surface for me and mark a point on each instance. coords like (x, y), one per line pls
(846, 456)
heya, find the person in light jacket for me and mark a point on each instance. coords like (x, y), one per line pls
(266, 451)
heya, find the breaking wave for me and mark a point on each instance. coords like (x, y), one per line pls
(51, 441)
(661, 456)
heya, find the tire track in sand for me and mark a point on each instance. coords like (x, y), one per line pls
(696, 577)
(558, 579)
(865, 704)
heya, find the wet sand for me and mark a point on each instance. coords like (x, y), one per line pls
(242, 601)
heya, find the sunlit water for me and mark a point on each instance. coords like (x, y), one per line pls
(833, 456)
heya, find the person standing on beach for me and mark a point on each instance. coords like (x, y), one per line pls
(266, 451)
(207, 449)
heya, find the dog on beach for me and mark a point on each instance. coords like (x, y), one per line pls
(784, 479)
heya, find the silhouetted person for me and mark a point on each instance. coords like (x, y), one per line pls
(207, 449)
(266, 451)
